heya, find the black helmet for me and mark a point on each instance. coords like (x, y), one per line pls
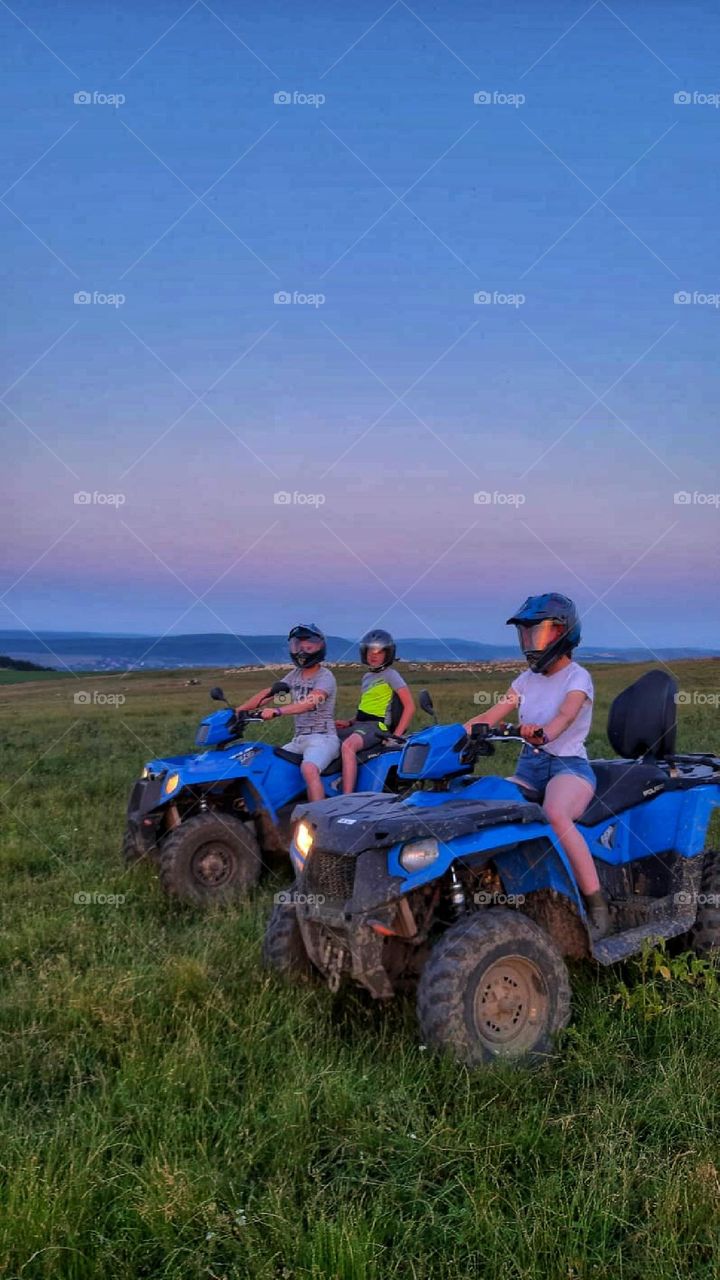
(536, 641)
(378, 639)
(306, 656)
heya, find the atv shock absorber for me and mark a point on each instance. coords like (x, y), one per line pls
(457, 893)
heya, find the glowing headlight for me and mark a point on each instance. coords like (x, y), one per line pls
(303, 838)
(145, 773)
(418, 854)
(171, 783)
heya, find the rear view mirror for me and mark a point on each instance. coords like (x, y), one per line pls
(217, 694)
(426, 703)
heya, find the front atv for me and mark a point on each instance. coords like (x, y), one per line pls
(461, 890)
(214, 819)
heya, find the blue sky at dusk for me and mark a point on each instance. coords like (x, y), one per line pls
(383, 403)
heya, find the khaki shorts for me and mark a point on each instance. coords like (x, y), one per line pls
(315, 748)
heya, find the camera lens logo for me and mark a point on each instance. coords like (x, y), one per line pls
(482, 98)
(682, 97)
(282, 98)
(82, 98)
(282, 297)
(82, 298)
(682, 298)
(82, 699)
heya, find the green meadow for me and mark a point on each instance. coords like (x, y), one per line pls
(169, 1110)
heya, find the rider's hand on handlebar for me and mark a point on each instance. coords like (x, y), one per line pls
(268, 713)
(533, 733)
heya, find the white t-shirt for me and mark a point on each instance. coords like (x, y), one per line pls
(541, 697)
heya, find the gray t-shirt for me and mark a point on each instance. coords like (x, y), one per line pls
(322, 718)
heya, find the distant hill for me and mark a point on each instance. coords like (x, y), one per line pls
(88, 651)
(19, 664)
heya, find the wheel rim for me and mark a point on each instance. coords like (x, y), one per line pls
(213, 865)
(510, 1005)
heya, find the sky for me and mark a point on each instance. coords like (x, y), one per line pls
(370, 314)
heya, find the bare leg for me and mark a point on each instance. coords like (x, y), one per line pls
(566, 797)
(350, 748)
(311, 774)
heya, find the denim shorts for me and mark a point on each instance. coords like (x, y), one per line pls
(536, 769)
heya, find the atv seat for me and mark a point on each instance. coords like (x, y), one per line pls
(335, 766)
(642, 728)
(620, 785)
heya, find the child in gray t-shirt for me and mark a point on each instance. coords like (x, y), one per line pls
(313, 690)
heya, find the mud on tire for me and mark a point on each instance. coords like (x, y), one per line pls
(212, 858)
(494, 986)
(283, 947)
(705, 933)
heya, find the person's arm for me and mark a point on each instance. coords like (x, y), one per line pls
(408, 711)
(296, 708)
(253, 703)
(504, 706)
(570, 708)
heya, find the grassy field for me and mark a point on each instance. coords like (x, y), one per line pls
(168, 1110)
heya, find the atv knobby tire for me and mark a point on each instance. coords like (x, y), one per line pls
(494, 986)
(211, 858)
(705, 933)
(283, 947)
(131, 851)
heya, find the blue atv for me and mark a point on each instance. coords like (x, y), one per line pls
(212, 817)
(462, 891)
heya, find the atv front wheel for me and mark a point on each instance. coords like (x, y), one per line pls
(131, 851)
(494, 986)
(283, 946)
(211, 858)
(705, 933)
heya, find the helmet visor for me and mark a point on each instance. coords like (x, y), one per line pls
(308, 645)
(540, 636)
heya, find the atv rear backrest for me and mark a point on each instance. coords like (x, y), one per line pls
(643, 718)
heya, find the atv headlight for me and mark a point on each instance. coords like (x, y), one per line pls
(303, 838)
(145, 773)
(418, 854)
(171, 783)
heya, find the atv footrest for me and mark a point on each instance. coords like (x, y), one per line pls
(619, 945)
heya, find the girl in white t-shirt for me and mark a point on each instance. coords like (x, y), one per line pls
(554, 699)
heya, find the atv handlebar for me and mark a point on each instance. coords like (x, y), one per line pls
(482, 737)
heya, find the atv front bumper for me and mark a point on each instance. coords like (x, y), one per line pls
(347, 907)
(145, 817)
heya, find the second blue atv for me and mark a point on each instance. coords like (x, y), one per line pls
(213, 817)
(462, 891)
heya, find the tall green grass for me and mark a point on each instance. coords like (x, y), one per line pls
(168, 1110)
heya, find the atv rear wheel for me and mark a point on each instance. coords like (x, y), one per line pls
(494, 986)
(705, 933)
(211, 858)
(283, 947)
